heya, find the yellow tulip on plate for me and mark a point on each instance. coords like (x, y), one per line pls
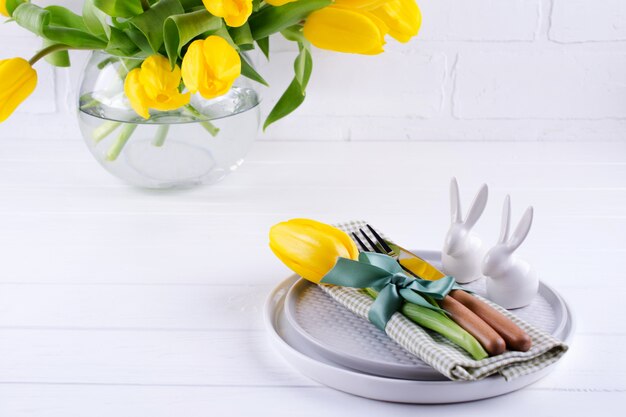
(310, 248)
(155, 86)
(210, 67)
(18, 80)
(234, 12)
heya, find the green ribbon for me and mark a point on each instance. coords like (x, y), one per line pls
(385, 275)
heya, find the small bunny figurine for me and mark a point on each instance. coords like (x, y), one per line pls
(511, 282)
(462, 251)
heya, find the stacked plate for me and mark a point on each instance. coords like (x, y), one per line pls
(329, 344)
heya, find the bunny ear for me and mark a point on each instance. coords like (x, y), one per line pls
(478, 206)
(522, 230)
(455, 201)
(506, 220)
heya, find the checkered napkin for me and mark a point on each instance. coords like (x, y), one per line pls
(446, 357)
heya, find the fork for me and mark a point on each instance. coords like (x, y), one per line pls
(382, 246)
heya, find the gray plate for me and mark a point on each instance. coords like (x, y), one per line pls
(337, 334)
(309, 352)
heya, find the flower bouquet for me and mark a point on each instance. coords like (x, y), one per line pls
(175, 62)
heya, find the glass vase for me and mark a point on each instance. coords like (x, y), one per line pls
(197, 144)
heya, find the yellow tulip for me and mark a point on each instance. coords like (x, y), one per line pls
(18, 80)
(279, 2)
(310, 248)
(234, 12)
(344, 29)
(403, 18)
(361, 4)
(3, 8)
(154, 86)
(210, 67)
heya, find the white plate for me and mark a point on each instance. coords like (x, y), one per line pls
(337, 334)
(307, 358)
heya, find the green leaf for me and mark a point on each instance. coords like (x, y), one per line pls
(120, 44)
(296, 92)
(242, 36)
(120, 8)
(151, 23)
(58, 59)
(270, 20)
(303, 66)
(192, 5)
(11, 5)
(288, 102)
(57, 25)
(181, 29)
(264, 46)
(95, 19)
(60, 16)
(139, 39)
(247, 70)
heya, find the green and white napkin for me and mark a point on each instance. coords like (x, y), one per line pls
(444, 356)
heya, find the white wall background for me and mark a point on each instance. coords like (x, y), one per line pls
(506, 70)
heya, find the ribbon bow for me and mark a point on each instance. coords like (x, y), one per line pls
(385, 275)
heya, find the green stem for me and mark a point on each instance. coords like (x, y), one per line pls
(442, 324)
(104, 130)
(119, 144)
(208, 126)
(145, 4)
(161, 135)
(49, 50)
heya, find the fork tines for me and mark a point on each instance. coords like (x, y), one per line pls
(380, 240)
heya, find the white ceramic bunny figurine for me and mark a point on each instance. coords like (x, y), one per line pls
(511, 282)
(463, 251)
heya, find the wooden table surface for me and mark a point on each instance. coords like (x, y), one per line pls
(116, 301)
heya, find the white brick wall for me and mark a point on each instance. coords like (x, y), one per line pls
(480, 70)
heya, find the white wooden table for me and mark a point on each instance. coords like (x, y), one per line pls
(116, 301)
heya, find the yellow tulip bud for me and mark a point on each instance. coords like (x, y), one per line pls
(310, 248)
(18, 80)
(343, 29)
(403, 18)
(3, 8)
(154, 86)
(234, 12)
(279, 2)
(210, 67)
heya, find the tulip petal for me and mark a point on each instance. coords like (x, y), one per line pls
(403, 18)
(210, 67)
(17, 82)
(157, 76)
(194, 68)
(222, 59)
(136, 94)
(234, 12)
(310, 248)
(347, 242)
(3, 8)
(361, 4)
(344, 30)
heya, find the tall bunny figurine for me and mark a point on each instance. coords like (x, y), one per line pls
(462, 250)
(511, 282)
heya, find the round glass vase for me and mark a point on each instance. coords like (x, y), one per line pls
(197, 144)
